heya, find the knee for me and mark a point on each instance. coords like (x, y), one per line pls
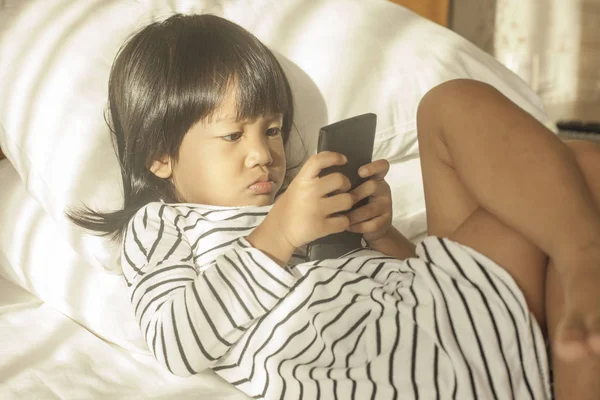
(450, 101)
(466, 92)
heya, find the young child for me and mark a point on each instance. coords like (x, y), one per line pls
(201, 112)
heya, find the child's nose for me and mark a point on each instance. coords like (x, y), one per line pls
(258, 153)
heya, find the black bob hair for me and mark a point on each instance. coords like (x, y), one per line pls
(165, 78)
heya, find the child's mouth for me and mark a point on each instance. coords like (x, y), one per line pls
(262, 187)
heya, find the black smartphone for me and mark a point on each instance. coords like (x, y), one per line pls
(354, 138)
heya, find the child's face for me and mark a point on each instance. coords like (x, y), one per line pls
(225, 162)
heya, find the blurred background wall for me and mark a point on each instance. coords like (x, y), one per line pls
(554, 45)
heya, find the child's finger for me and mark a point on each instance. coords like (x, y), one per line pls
(372, 225)
(334, 183)
(365, 213)
(338, 203)
(336, 224)
(365, 189)
(376, 170)
(320, 161)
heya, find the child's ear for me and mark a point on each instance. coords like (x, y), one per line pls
(162, 168)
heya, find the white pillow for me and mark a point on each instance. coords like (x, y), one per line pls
(35, 257)
(343, 57)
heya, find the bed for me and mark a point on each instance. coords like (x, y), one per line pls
(66, 326)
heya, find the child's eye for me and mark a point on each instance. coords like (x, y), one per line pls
(273, 131)
(232, 137)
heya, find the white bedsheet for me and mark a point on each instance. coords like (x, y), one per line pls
(45, 355)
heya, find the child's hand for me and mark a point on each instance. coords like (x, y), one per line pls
(375, 218)
(308, 210)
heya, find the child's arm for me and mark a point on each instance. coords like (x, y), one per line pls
(394, 244)
(270, 241)
(189, 321)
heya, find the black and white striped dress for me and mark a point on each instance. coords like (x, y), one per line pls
(448, 324)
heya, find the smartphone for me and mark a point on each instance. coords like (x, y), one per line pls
(354, 138)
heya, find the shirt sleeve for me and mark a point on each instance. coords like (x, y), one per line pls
(190, 320)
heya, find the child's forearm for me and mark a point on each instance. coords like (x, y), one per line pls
(394, 244)
(267, 239)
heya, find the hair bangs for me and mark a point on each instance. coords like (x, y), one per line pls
(215, 61)
(261, 85)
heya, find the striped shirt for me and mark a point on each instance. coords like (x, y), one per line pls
(449, 323)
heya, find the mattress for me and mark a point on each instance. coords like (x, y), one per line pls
(45, 355)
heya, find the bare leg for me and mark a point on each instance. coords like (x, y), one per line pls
(503, 161)
(513, 191)
(579, 379)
